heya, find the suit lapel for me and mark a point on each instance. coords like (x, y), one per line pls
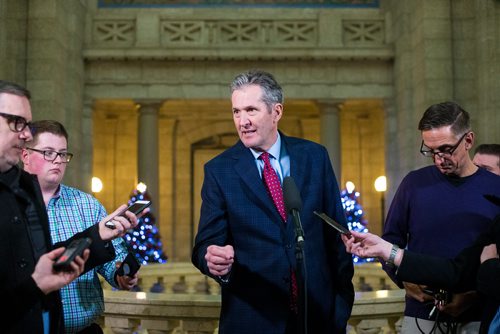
(247, 170)
(298, 162)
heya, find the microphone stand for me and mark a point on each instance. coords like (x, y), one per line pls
(301, 273)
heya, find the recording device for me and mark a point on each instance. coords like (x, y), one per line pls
(136, 208)
(341, 229)
(293, 204)
(441, 296)
(129, 266)
(74, 249)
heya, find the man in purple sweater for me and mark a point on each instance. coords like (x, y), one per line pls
(439, 210)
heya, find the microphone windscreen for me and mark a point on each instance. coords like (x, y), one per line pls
(291, 195)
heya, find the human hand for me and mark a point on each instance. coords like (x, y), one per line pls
(122, 221)
(489, 252)
(459, 303)
(417, 292)
(367, 245)
(219, 259)
(48, 280)
(126, 282)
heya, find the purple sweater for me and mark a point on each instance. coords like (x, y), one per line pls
(431, 214)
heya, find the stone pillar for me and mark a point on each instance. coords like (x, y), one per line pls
(147, 149)
(86, 152)
(330, 132)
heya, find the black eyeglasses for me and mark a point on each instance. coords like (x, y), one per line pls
(51, 156)
(446, 151)
(16, 123)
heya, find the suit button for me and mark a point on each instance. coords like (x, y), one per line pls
(288, 246)
(15, 220)
(22, 263)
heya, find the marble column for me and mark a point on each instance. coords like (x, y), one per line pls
(147, 150)
(330, 132)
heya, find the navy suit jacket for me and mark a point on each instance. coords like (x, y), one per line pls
(237, 210)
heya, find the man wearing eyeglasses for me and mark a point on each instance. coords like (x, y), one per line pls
(71, 211)
(29, 284)
(439, 210)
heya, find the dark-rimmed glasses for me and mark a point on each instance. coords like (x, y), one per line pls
(442, 152)
(16, 123)
(51, 156)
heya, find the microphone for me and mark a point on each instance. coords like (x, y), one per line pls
(293, 204)
(291, 195)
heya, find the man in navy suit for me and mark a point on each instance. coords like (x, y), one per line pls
(245, 245)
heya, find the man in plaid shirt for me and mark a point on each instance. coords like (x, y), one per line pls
(70, 211)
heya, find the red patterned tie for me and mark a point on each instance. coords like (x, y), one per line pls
(273, 185)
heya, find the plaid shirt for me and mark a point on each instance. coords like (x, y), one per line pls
(72, 211)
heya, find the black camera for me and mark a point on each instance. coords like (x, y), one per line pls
(441, 296)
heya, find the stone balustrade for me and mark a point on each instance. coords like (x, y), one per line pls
(157, 313)
(176, 298)
(183, 277)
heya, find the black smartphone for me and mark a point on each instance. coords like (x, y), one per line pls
(136, 208)
(74, 249)
(129, 266)
(341, 229)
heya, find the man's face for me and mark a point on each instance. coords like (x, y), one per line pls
(11, 142)
(256, 125)
(50, 173)
(487, 161)
(441, 140)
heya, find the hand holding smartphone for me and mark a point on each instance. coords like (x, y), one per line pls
(74, 249)
(129, 266)
(136, 208)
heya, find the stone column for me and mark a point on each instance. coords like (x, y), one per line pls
(147, 149)
(86, 152)
(330, 132)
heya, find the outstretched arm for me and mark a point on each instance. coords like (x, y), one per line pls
(370, 245)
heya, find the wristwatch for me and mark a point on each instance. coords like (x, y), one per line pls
(392, 256)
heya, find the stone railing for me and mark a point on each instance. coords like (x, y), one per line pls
(183, 277)
(186, 301)
(140, 312)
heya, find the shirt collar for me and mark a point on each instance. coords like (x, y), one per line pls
(275, 150)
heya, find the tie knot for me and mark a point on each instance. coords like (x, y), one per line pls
(265, 157)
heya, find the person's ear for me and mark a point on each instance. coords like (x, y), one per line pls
(469, 140)
(277, 112)
(25, 156)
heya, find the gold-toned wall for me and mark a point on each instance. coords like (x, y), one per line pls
(363, 154)
(115, 151)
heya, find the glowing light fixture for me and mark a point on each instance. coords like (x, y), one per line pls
(96, 185)
(141, 187)
(349, 186)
